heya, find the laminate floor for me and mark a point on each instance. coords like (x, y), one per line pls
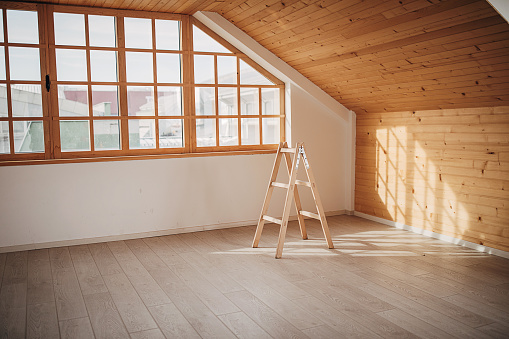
(379, 282)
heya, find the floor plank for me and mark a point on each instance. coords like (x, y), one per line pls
(146, 287)
(42, 321)
(172, 323)
(148, 334)
(68, 297)
(104, 317)
(40, 280)
(104, 259)
(242, 326)
(194, 310)
(264, 316)
(131, 308)
(86, 270)
(78, 328)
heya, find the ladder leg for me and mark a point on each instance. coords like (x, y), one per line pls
(318, 203)
(268, 195)
(288, 202)
(296, 198)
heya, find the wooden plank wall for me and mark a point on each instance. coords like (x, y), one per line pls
(446, 171)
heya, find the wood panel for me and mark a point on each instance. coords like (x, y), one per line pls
(443, 170)
(373, 56)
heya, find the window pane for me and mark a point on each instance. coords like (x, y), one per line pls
(24, 63)
(74, 136)
(1, 26)
(101, 31)
(139, 67)
(205, 132)
(2, 63)
(3, 100)
(270, 101)
(202, 42)
(22, 27)
(250, 76)
(103, 66)
(170, 133)
(5, 147)
(249, 101)
(227, 100)
(228, 132)
(105, 100)
(167, 35)
(226, 69)
(71, 65)
(69, 29)
(204, 69)
(250, 131)
(204, 100)
(169, 100)
(26, 100)
(138, 33)
(140, 100)
(168, 68)
(270, 130)
(28, 136)
(142, 133)
(106, 135)
(72, 100)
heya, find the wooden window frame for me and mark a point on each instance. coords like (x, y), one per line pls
(51, 119)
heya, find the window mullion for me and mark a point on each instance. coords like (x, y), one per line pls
(154, 69)
(121, 71)
(55, 147)
(45, 70)
(188, 90)
(89, 87)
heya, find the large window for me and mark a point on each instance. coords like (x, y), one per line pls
(81, 83)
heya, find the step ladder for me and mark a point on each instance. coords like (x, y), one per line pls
(292, 157)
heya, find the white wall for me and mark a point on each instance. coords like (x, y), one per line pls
(48, 203)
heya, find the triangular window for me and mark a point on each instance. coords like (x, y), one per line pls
(202, 42)
(250, 76)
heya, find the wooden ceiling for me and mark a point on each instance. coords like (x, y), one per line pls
(373, 55)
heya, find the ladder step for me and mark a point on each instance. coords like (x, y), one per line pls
(288, 150)
(310, 214)
(271, 219)
(302, 183)
(280, 184)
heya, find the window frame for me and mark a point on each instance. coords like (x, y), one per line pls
(51, 119)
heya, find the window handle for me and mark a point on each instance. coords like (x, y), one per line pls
(48, 83)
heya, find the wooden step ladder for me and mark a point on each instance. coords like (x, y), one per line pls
(292, 193)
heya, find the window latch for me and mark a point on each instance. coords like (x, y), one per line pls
(48, 83)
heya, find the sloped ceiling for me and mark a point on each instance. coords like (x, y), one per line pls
(373, 55)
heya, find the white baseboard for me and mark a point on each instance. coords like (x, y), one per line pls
(82, 241)
(446, 238)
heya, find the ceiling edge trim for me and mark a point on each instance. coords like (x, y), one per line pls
(502, 7)
(270, 61)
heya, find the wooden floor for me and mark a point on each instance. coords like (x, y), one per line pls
(378, 282)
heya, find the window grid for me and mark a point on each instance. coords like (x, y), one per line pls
(163, 122)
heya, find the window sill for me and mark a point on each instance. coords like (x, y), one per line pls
(134, 157)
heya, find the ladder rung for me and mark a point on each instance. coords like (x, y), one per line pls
(280, 184)
(310, 214)
(288, 150)
(271, 219)
(302, 183)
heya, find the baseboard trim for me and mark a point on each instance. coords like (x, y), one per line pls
(118, 237)
(446, 238)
